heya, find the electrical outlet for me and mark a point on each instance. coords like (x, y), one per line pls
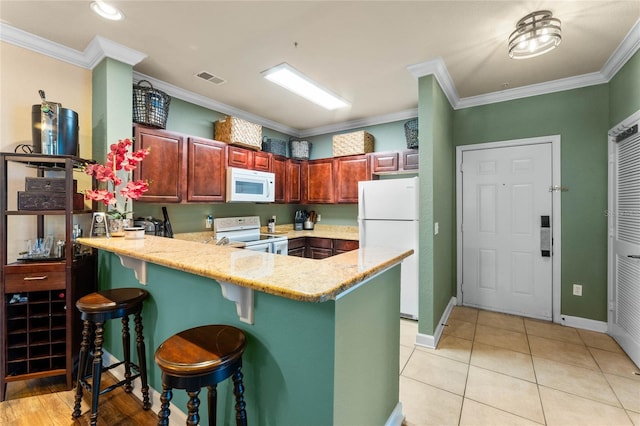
(436, 228)
(577, 289)
(208, 222)
(318, 217)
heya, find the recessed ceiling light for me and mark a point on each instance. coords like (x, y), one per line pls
(106, 10)
(291, 79)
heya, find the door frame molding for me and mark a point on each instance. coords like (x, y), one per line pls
(556, 211)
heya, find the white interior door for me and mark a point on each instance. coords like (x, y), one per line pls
(624, 244)
(505, 200)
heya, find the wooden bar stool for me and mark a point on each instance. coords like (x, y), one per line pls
(198, 357)
(95, 309)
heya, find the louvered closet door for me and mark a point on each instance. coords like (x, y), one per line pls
(624, 264)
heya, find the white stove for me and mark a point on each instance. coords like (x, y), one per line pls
(247, 230)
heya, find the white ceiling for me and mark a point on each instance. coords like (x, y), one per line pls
(359, 49)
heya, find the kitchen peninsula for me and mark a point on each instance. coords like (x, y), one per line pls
(323, 335)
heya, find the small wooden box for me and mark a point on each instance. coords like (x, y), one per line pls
(41, 200)
(236, 131)
(352, 143)
(47, 184)
(47, 200)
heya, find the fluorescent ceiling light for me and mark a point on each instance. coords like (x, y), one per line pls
(106, 10)
(291, 79)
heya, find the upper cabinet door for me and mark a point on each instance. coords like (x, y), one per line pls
(239, 157)
(278, 168)
(294, 181)
(349, 171)
(319, 181)
(410, 159)
(164, 167)
(206, 170)
(262, 161)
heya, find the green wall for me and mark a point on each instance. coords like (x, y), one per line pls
(437, 196)
(305, 363)
(625, 91)
(580, 117)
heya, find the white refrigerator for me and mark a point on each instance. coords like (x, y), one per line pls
(388, 217)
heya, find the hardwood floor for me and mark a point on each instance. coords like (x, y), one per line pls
(46, 402)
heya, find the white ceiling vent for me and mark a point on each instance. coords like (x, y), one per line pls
(211, 78)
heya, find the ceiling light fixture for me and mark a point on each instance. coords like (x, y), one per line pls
(535, 34)
(291, 79)
(106, 10)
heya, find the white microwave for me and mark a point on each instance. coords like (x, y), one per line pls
(250, 186)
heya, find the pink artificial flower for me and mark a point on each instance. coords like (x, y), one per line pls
(118, 158)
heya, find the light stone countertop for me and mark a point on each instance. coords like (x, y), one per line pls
(306, 280)
(339, 232)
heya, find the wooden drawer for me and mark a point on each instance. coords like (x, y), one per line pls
(295, 243)
(36, 280)
(345, 245)
(319, 242)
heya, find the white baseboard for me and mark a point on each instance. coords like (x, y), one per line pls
(429, 341)
(397, 417)
(584, 323)
(177, 418)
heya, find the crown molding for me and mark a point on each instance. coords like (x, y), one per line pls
(627, 48)
(547, 87)
(41, 45)
(98, 49)
(362, 122)
(209, 103)
(438, 69)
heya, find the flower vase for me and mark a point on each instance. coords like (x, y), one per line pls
(116, 226)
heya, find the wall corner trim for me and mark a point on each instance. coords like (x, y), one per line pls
(429, 341)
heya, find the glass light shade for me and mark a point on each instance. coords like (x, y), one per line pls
(535, 34)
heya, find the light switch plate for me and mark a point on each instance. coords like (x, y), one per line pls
(436, 228)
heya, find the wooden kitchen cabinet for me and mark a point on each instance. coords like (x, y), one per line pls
(410, 159)
(297, 247)
(384, 161)
(239, 157)
(319, 248)
(349, 171)
(279, 169)
(206, 172)
(293, 181)
(165, 166)
(319, 181)
(343, 246)
(40, 330)
(262, 161)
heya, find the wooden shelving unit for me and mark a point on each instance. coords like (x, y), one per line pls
(40, 327)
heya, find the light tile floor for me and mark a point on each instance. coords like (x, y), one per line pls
(497, 369)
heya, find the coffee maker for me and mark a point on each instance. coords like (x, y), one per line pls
(54, 128)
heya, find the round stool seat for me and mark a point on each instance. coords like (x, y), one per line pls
(200, 350)
(198, 357)
(118, 299)
(95, 310)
